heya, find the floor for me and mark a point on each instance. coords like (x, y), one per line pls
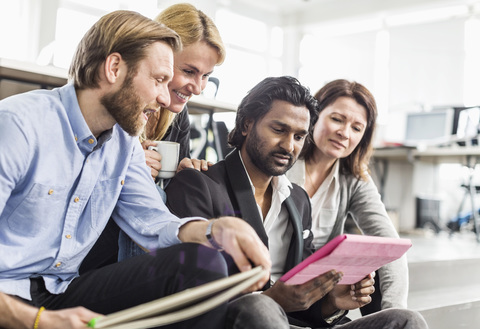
(441, 270)
(427, 246)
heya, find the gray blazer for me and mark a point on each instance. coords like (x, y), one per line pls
(360, 200)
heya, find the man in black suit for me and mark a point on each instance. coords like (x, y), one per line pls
(272, 123)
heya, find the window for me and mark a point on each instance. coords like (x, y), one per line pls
(241, 31)
(83, 14)
(254, 51)
(66, 38)
(16, 39)
(324, 58)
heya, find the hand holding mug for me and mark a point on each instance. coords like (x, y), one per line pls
(163, 162)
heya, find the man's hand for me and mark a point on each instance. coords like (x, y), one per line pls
(15, 314)
(153, 158)
(300, 297)
(200, 165)
(350, 297)
(70, 318)
(237, 238)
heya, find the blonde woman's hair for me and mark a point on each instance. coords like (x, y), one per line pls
(192, 25)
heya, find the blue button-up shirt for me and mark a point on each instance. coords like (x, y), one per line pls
(59, 185)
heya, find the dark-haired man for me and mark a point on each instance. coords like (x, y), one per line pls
(271, 125)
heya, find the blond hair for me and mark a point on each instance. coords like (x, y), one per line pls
(192, 25)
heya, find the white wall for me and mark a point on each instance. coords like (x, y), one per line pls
(427, 63)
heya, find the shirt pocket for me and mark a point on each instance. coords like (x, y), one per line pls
(104, 199)
(323, 225)
(41, 208)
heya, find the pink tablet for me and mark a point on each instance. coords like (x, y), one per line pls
(354, 255)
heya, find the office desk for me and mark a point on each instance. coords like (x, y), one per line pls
(17, 77)
(450, 154)
(418, 172)
(200, 104)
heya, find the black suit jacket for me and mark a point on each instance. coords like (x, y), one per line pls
(224, 190)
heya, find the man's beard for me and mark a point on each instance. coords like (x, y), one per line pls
(264, 159)
(125, 107)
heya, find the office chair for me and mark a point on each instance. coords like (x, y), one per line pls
(213, 137)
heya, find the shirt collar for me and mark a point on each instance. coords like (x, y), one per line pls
(280, 184)
(68, 97)
(82, 134)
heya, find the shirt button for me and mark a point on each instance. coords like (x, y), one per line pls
(76, 199)
(90, 141)
(58, 264)
(50, 192)
(122, 182)
(68, 236)
(76, 138)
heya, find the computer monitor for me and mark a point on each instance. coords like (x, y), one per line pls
(429, 128)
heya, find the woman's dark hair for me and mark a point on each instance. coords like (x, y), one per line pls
(357, 162)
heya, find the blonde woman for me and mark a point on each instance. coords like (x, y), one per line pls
(203, 49)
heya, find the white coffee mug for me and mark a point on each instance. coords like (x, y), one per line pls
(170, 153)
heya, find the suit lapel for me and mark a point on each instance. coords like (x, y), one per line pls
(295, 251)
(243, 193)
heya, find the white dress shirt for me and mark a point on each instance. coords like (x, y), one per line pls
(277, 226)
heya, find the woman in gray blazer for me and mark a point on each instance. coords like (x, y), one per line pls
(333, 169)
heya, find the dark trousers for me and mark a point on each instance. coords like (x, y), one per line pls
(104, 251)
(141, 279)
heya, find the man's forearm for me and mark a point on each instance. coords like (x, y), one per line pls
(194, 231)
(236, 237)
(15, 314)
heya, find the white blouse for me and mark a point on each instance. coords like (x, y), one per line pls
(324, 202)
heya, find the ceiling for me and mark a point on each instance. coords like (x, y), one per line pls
(305, 12)
(282, 6)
